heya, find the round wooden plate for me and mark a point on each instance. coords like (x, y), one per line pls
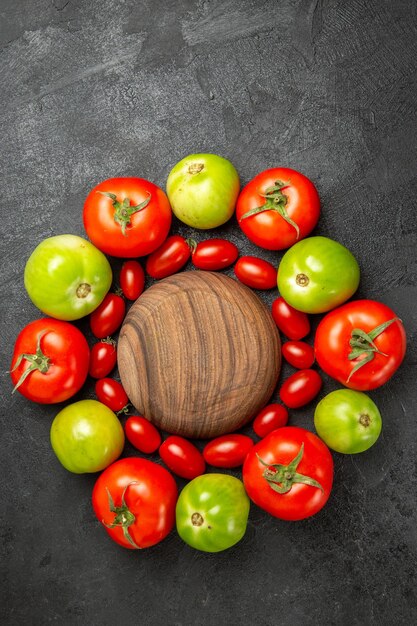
(199, 354)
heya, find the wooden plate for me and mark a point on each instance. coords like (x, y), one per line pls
(199, 354)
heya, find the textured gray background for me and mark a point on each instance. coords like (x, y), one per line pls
(101, 88)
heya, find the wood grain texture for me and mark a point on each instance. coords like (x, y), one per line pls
(199, 354)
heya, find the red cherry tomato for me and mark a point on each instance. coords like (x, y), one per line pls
(108, 317)
(228, 450)
(168, 258)
(142, 434)
(300, 388)
(298, 354)
(103, 358)
(214, 254)
(256, 273)
(294, 324)
(111, 393)
(182, 457)
(271, 417)
(132, 279)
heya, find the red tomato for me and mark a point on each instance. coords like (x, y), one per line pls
(132, 279)
(256, 273)
(294, 324)
(271, 417)
(127, 217)
(142, 434)
(111, 393)
(214, 254)
(300, 388)
(289, 473)
(361, 344)
(103, 358)
(298, 354)
(228, 450)
(278, 208)
(182, 457)
(108, 316)
(50, 361)
(169, 258)
(135, 501)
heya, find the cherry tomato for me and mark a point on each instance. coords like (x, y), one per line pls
(103, 358)
(168, 258)
(142, 434)
(228, 450)
(277, 208)
(256, 273)
(111, 393)
(298, 354)
(214, 254)
(294, 324)
(182, 457)
(300, 388)
(271, 417)
(107, 318)
(132, 279)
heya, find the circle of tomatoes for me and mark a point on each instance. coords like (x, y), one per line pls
(256, 273)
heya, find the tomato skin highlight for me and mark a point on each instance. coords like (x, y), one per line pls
(142, 434)
(300, 388)
(111, 393)
(256, 273)
(214, 254)
(68, 353)
(108, 317)
(103, 358)
(271, 417)
(298, 354)
(268, 229)
(182, 457)
(294, 324)
(169, 258)
(332, 344)
(132, 279)
(228, 450)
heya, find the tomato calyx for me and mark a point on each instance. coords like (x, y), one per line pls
(282, 477)
(363, 346)
(123, 210)
(124, 517)
(192, 244)
(275, 201)
(109, 340)
(38, 361)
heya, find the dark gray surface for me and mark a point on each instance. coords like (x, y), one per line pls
(96, 89)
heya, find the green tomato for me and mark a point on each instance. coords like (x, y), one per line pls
(66, 277)
(203, 189)
(212, 512)
(348, 421)
(317, 274)
(86, 436)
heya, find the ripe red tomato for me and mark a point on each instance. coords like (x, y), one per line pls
(127, 217)
(256, 273)
(142, 434)
(300, 388)
(271, 417)
(227, 450)
(361, 344)
(214, 254)
(50, 361)
(108, 316)
(132, 279)
(294, 324)
(277, 208)
(298, 354)
(169, 258)
(111, 393)
(103, 358)
(135, 501)
(182, 457)
(289, 473)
